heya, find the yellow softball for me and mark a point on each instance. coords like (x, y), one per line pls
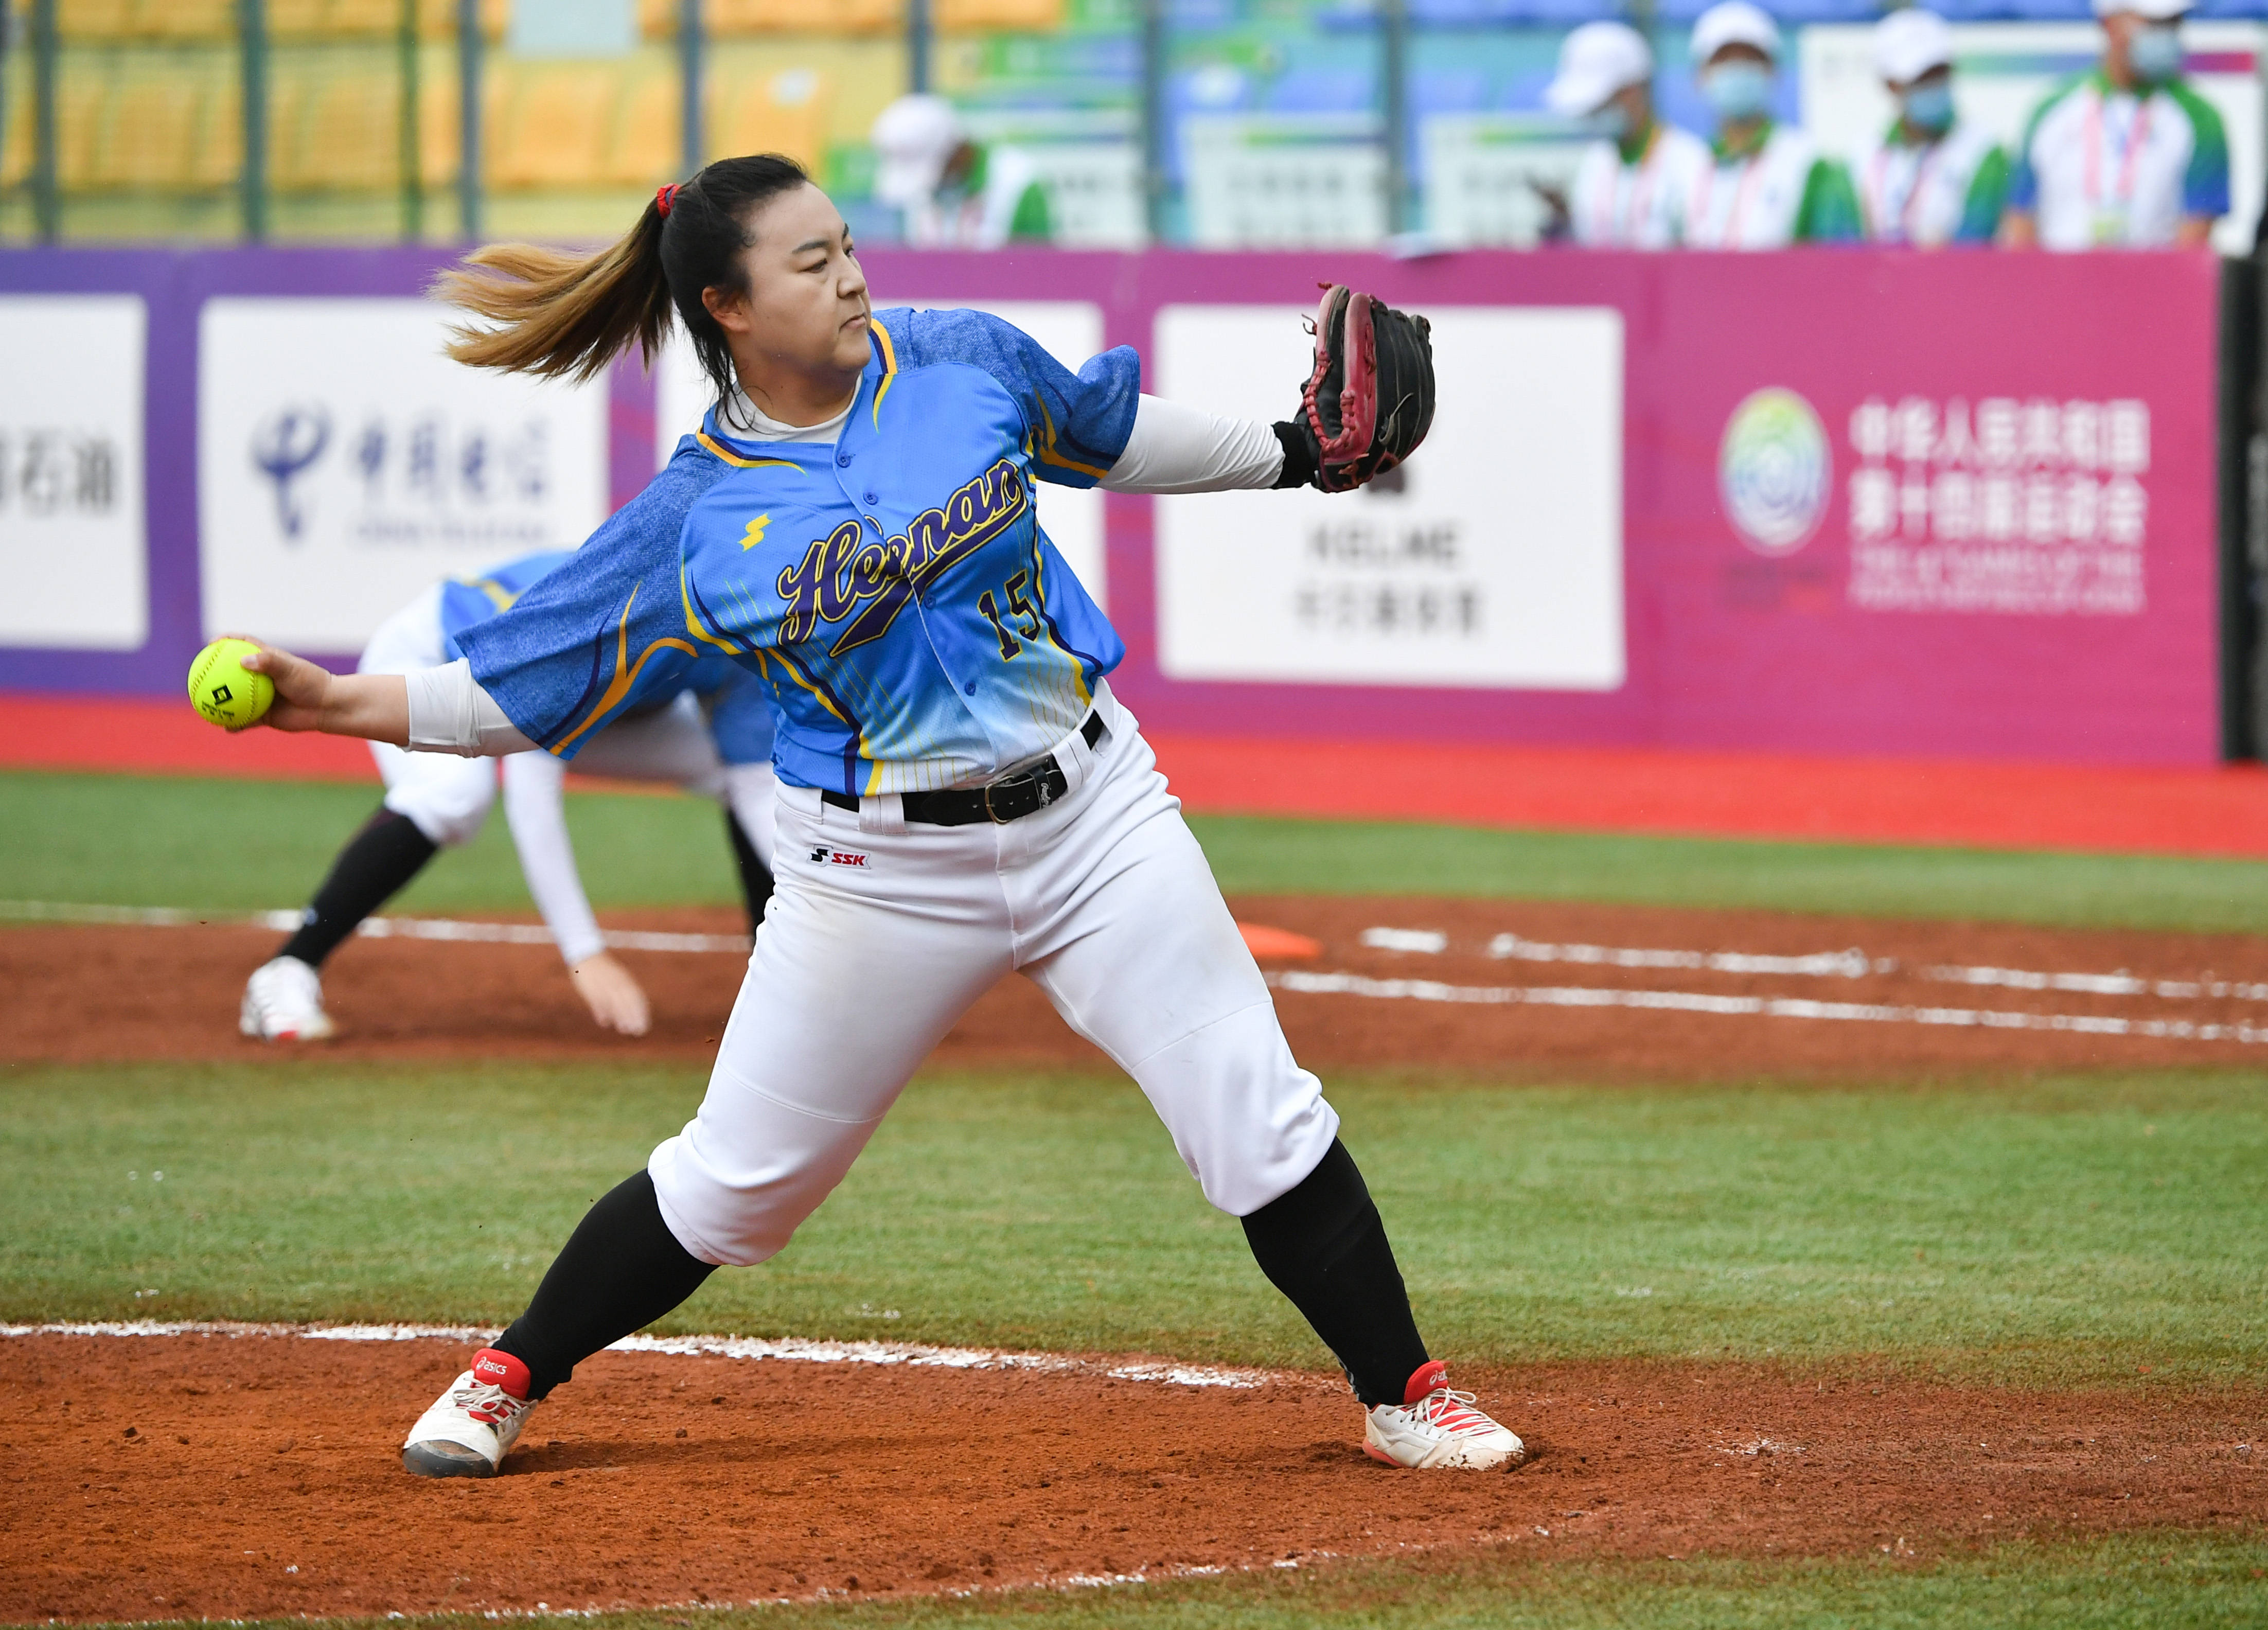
(223, 691)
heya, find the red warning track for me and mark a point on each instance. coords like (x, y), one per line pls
(2142, 811)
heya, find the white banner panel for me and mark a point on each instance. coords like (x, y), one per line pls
(1496, 563)
(1071, 331)
(344, 464)
(73, 547)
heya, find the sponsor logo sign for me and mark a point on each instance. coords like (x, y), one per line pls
(1493, 559)
(344, 464)
(1773, 471)
(73, 542)
(2027, 506)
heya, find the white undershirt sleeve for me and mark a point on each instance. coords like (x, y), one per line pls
(1177, 448)
(449, 713)
(535, 807)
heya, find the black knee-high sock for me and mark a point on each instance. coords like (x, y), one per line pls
(755, 876)
(621, 1270)
(1323, 1245)
(376, 863)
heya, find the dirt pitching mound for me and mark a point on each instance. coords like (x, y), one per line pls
(1504, 989)
(259, 1476)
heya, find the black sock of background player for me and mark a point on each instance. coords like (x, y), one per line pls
(377, 862)
(1323, 1245)
(621, 1270)
(755, 876)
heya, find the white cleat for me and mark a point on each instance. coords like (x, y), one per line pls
(473, 1426)
(284, 1002)
(1436, 1427)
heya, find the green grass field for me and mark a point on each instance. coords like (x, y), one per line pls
(2057, 1230)
(2052, 1231)
(127, 840)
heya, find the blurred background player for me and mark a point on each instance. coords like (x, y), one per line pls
(1637, 179)
(2125, 156)
(953, 192)
(1931, 180)
(1770, 187)
(708, 731)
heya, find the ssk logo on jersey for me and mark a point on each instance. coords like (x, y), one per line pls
(838, 573)
(822, 855)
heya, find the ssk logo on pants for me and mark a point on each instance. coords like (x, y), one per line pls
(822, 855)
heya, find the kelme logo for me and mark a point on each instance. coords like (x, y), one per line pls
(1773, 470)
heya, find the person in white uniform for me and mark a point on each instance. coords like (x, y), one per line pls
(952, 191)
(2125, 156)
(1932, 178)
(1634, 182)
(962, 795)
(1769, 186)
(709, 733)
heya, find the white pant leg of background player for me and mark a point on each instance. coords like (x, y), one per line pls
(863, 966)
(447, 798)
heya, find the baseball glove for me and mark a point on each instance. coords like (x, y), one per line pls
(1369, 401)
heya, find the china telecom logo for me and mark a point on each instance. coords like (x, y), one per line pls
(1774, 470)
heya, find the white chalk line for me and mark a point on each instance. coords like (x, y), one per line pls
(1851, 963)
(1305, 984)
(371, 928)
(793, 1349)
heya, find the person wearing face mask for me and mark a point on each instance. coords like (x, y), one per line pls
(2125, 156)
(1769, 186)
(1636, 176)
(1931, 180)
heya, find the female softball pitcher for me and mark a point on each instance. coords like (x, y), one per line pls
(709, 733)
(960, 795)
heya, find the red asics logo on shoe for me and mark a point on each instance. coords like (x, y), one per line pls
(501, 1369)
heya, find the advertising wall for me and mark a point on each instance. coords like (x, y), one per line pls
(1832, 501)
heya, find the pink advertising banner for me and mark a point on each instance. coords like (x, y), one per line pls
(1835, 502)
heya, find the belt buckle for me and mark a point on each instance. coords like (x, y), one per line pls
(1037, 777)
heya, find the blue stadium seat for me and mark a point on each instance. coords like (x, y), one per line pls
(1322, 91)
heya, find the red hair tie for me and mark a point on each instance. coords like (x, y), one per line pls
(664, 198)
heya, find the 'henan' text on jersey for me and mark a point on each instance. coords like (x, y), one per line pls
(912, 623)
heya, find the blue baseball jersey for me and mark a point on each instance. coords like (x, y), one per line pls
(738, 706)
(894, 590)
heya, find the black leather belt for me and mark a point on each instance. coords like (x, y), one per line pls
(1011, 798)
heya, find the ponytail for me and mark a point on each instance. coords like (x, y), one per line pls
(566, 316)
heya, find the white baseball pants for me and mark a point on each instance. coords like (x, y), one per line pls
(882, 932)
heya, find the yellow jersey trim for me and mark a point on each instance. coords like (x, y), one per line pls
(626, 673)
(1047, 450)
(732, 458)
(889, 367)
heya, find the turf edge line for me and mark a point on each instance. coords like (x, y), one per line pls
(795, 1349)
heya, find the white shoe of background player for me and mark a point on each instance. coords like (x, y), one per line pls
(473, 1426)
(1435, 1427)
(284, 1002)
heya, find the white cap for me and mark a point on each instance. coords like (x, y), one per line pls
(1909, 44)
(913, 137)
(2156, 11)
(1734, 22)
(1596, 61)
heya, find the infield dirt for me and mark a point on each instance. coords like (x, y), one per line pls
(118, 993)
(258, 1476)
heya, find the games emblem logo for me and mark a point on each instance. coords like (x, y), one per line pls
(1774, 471)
